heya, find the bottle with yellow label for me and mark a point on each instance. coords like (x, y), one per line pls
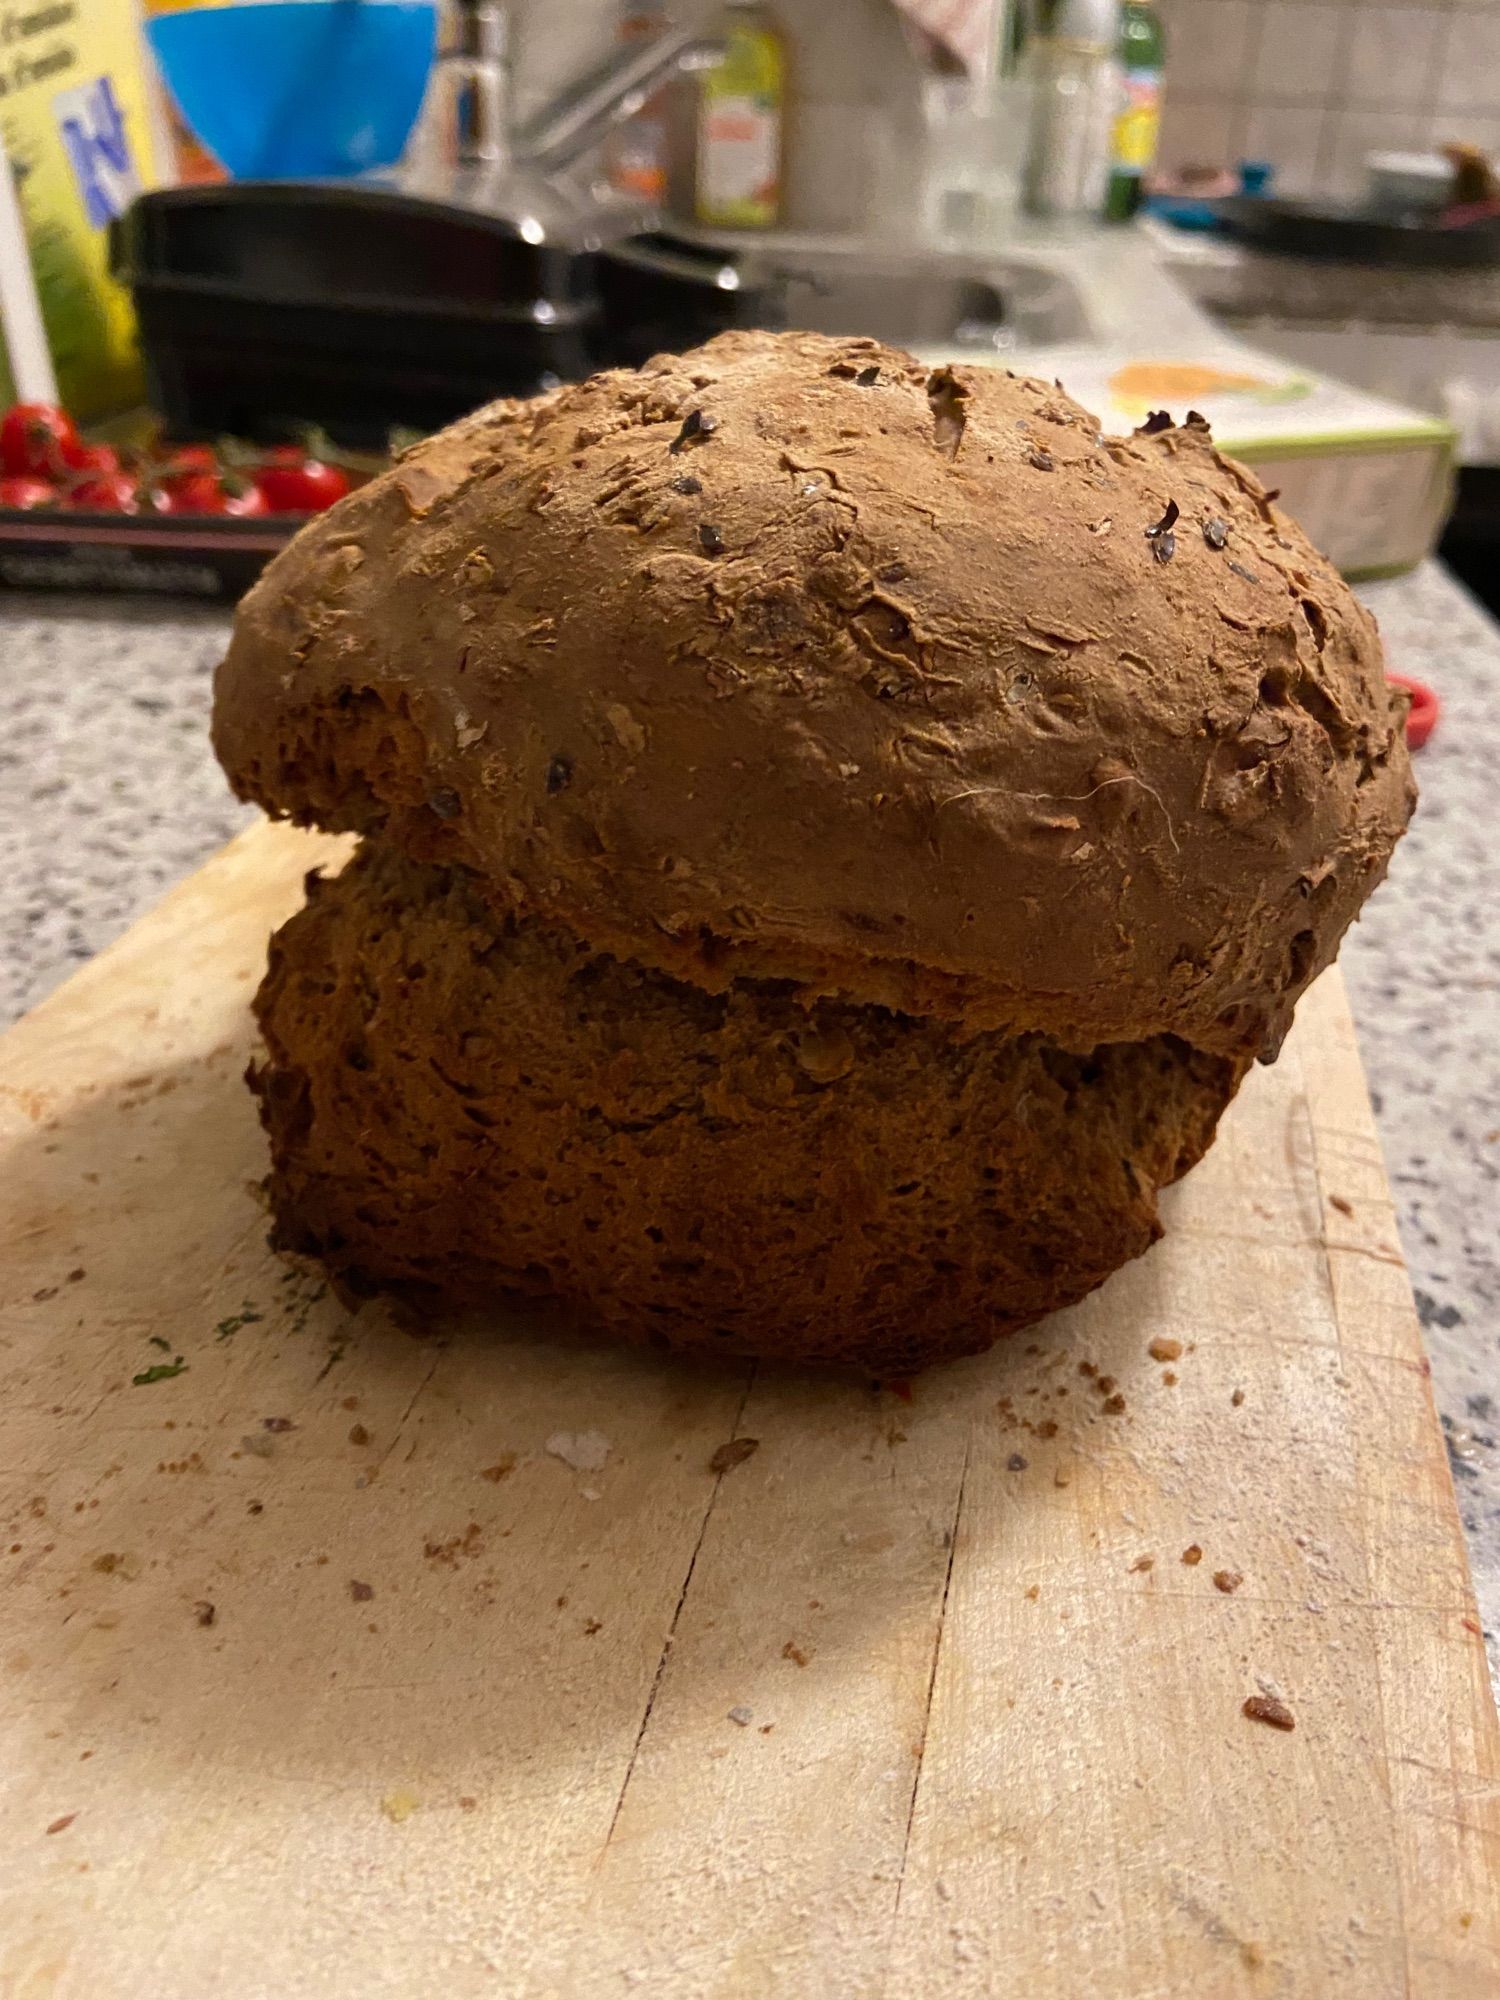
(1143, 58)
(741, 124)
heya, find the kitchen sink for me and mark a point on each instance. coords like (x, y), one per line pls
(922, 299)
(664, 290)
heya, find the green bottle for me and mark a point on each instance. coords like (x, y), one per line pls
(1143, 57)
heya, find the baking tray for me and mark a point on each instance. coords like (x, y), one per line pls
(209, 556)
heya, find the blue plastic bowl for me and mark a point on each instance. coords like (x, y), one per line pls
(299, 89)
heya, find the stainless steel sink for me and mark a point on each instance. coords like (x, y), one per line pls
(919, 299)
(911, 297)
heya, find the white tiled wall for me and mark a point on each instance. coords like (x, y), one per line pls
(1314, 85)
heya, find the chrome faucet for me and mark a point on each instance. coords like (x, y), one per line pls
(473, 83)
(468, 122)
(609, 93)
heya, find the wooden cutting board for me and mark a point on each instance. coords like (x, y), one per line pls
(326, 1672)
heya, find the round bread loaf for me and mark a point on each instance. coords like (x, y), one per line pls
(461, 1108)
(836, 834)
(792, 659)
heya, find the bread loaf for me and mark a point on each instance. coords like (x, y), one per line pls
(790, 681)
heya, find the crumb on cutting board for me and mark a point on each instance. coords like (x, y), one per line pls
(584, 1451)
(1268, 1708)
(732, 1453)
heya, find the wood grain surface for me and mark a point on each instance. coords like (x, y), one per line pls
(334, 1663)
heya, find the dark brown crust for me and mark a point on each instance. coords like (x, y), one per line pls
(460, 1109)
(937, 729)
(836, 839)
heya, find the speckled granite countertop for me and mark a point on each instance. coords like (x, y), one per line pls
(1226, 276)
(108, 794)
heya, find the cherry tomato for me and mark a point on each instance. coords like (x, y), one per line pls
(94, 458)
(24, 493)
(184, 461)
(212, 493)
(37, 438)
(166, 498)
(106, 493)
(293, 483)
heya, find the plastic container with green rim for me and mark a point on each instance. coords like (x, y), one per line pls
(1370, 481)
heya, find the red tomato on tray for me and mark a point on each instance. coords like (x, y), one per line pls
(215, 493)
(293, 483)
(179, 459)
(153, 506)
(39, 439)
(95, 459)
(106, 493)
(24, 493)
(181, 462)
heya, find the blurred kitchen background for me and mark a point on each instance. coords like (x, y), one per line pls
(313, 227)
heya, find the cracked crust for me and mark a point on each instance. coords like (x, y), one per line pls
(459, 1108)
(788, 659)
